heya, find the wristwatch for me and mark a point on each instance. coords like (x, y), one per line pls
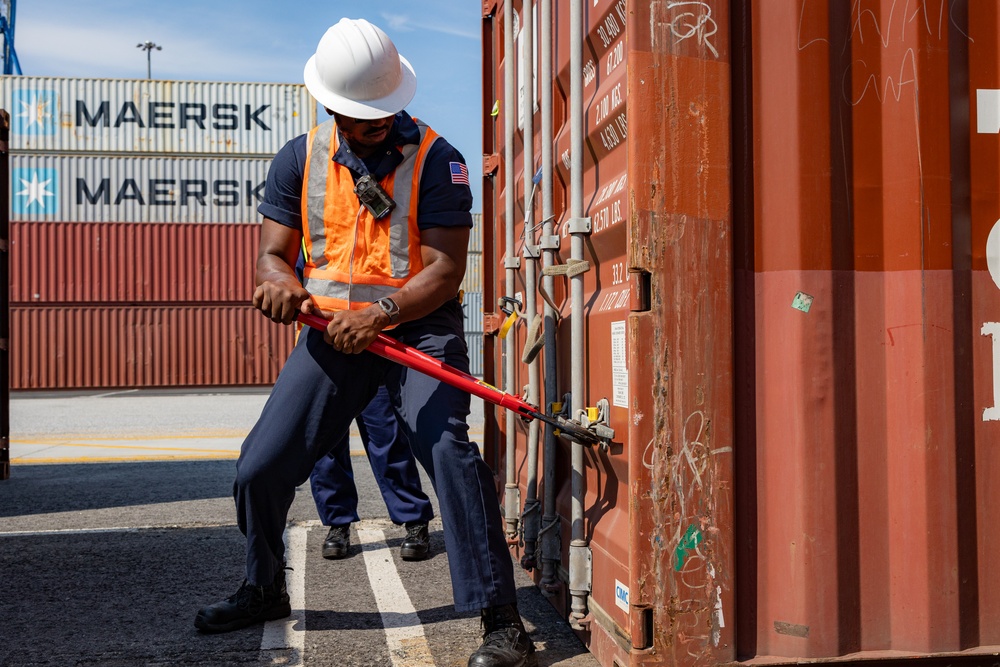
(390, 308)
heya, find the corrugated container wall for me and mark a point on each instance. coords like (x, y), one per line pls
(788, 250)
(135, 230)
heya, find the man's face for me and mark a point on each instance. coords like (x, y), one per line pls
(362, 135)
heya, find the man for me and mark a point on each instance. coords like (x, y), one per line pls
(383, 203)
(336, 496)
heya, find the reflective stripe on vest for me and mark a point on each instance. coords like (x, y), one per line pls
(352, 259)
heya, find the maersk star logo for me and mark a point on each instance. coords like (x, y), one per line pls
(35, 112)
(36, 191)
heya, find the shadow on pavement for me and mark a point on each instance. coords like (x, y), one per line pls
(43, 489)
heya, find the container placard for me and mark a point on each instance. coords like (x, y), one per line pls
(619, 365)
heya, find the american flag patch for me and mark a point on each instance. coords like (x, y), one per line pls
(459, 173)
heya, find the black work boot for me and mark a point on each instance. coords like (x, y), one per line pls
(505, 641)
(417, 542)
(337, 542)
(251, 604)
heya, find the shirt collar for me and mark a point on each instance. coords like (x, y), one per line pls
(404, 131)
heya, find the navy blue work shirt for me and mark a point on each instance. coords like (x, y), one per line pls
(441, 201)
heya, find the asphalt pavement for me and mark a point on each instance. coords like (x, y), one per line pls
(117, 524)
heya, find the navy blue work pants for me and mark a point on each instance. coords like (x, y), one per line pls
(332, 479)
(317, 395)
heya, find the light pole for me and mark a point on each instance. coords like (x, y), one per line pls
(148, 47)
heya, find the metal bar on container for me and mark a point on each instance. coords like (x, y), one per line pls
(550, 543)
(531, 512)
(4, 298)
(512, 502)
(579, 558)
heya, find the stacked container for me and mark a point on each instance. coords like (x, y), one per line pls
(134, 230)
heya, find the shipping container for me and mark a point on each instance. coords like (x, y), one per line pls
(70, 115)
(148, 345)
(87, 188)
(123, 262)
(764, 252)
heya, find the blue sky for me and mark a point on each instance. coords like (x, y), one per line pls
(254, 40)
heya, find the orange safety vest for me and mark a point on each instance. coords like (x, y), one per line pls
(352, 259)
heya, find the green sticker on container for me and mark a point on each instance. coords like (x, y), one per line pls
(690, 541)
(802, 301)
(496, 109)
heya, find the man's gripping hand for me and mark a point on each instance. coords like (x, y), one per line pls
(281, 299)
(351, 331)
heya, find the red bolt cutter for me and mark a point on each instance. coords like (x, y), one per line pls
(393, 350)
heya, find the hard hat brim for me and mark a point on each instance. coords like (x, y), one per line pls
(389, 105)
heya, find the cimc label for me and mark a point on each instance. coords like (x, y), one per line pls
(621, 595)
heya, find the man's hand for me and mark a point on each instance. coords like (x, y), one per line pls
(281, 299)
(279, 294)
(352, 331)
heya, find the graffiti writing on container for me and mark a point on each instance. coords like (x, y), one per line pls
(683, 20)
(170, 192)
(931, 17)
(928, 15)
(891, 87)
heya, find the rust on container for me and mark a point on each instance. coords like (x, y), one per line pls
(803, 199)
(123, 262)
(149, 345)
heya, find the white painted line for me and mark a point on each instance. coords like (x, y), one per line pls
(112, 529)
(404, 633)
(283, 633)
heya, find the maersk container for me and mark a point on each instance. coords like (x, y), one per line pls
(769, 234)
(88, 188)
(67, 115)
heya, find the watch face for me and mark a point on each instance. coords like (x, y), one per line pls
(389, 307)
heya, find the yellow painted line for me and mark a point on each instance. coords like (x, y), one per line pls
(129, 438)
(144, 448)
(157, 436)
(218, 456)
(118, 459)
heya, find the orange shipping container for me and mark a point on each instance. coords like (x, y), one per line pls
(765, 247)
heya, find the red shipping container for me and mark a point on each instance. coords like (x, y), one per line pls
(790, 314)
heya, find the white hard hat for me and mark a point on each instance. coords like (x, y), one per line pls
(356, 71)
